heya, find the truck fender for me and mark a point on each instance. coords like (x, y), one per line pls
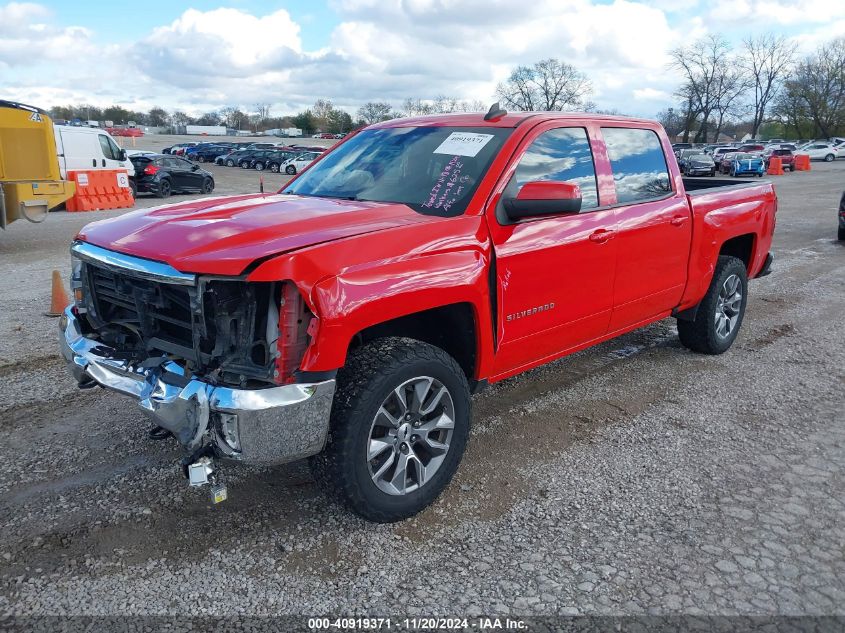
(359, 298)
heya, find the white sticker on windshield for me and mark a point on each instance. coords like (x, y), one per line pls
(463, 144)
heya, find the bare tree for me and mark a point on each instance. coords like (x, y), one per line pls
(415, 107)
(702, 64)
(730, 85)
(375, 111)
(767, 60)
(547, 85)
(819, 84)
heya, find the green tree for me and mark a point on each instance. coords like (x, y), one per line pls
(157, 116)
(305, 121)
(117, 114)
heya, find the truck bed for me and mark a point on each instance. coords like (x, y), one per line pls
(695, 186)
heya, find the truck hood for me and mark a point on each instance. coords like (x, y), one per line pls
(224, 235)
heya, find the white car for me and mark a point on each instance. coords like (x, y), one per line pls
(821, 151)
(300, 162)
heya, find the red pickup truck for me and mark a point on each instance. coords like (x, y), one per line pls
(348, 317)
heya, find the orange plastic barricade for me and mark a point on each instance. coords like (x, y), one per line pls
(775, 166)
(100, 189)
(802, 162)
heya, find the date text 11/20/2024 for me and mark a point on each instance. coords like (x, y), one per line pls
(417, 624)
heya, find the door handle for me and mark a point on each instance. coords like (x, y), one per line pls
(678, 220)
(600, 236)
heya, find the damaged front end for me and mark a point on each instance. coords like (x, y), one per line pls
(213, 360)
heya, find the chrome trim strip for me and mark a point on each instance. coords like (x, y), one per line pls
(135, 266)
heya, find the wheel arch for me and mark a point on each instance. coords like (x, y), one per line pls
(453, 328)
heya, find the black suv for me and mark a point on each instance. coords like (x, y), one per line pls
(163, 175)
(272, 160)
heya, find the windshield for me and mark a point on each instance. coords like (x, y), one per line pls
(434, 170)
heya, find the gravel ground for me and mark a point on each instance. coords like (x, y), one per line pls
(632, 478)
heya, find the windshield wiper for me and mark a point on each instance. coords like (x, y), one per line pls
(320, 195)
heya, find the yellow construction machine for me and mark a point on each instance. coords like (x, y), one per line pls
(30, 181)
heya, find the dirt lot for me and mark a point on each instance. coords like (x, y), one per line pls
(633, 478)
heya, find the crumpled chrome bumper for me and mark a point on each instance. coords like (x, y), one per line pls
(263, 426)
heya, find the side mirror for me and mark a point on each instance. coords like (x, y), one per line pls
(195, 167)
(122, 155)
(544, 197)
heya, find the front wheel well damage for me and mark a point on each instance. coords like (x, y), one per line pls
(452, 328)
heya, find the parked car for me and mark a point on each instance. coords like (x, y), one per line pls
(300, 162)
(350, 321)
(273, 160)
(261, 146)
(247, 160)
(677, 147)
(724, 166)
(787, 158)
(699, 165)
(173, 149)
(743, 164)
(163, 174)
(751, 148)
(232, 158)
(719, 153)
(822, 151)
(841, 233)
(326, 135)
(207, 154)
(341, 135)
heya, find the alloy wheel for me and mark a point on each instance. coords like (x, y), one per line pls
(410, 435)
(728, 306)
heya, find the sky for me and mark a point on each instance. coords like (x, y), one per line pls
(198, 56)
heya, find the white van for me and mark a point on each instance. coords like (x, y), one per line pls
(86, 148)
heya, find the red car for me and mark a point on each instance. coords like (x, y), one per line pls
(349, 317)
(787, 158)
(751, 148)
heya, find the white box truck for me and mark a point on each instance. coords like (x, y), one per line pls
(206, 130)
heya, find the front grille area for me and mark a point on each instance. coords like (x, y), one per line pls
(226, 329)
(159, 314)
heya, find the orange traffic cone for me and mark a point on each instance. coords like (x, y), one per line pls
(58, 298)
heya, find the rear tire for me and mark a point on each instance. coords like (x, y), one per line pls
(829, 158)
(164, 189)
(274, 168)
(397, 399)
(230, 163)
(259, 166)
(200, 159)
(720, 313)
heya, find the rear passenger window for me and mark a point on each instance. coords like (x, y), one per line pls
(638, 164)
(561, 155)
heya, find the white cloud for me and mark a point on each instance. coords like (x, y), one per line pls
(27, 36)
(380, 50)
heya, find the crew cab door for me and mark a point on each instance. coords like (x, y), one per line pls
(654, 227)
(553, 273)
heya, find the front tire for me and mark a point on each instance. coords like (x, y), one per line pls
(230, 163)
(720, 313)
(207, 185)
(399, 426)
(290, 170)
(829, 158)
